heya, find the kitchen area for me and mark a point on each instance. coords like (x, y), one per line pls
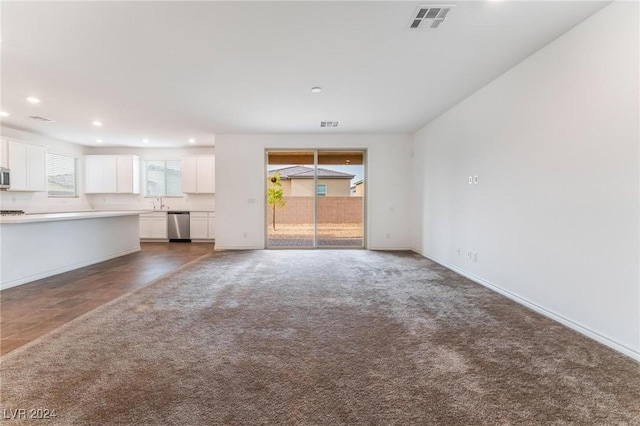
(65, 206)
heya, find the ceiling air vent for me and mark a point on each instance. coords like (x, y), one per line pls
(429, 17)
(329, 123)
(46, 120)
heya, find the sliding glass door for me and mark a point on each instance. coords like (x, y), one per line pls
(315, 198)
(339, 199)
(290, 201)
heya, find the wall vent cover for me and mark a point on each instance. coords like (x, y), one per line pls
(329, 123)
(429, 17)
(46, 120)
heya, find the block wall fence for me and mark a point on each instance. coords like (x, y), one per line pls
(299, 210)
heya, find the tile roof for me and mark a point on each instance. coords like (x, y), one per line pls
(302, 172)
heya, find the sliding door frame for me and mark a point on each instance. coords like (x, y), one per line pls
(365, 198)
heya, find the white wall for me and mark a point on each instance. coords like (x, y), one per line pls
(38, 202)
(555, 216)
(240, 185)
(203, 202)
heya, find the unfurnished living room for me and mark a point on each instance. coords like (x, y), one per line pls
(315, 212)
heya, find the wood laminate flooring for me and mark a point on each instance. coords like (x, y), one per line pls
(33, 309)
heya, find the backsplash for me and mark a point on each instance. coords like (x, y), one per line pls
(191, 202)
(39, 202)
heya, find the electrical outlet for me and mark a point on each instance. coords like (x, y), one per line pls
(475, 256)
(475, 179)
(470, 180)
(469, 254)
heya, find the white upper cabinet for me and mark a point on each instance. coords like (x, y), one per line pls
(100, 173)
(110, 174)
(94, 174)
(128, 174)
(205, 176)
(4, 153)
(28, 164)
(189, 174)
(198, 174)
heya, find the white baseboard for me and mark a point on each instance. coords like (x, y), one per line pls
(390, 248)
(220, 248)
(66, 268)
(307, 248)
(542, 310)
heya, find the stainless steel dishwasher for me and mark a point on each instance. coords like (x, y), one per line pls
(179, 230)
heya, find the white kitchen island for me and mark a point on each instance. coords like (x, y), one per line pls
(36, 246)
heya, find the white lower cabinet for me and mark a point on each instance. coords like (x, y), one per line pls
(212, 226)
(202, 225)
(153, 226)
(199, 225)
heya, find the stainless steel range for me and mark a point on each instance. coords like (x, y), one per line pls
(11, 212)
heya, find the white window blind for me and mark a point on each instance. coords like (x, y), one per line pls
(163, 178)
(61, 175)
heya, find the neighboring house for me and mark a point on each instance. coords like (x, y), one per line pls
(62, 185)
(297, 181)
(357, 190)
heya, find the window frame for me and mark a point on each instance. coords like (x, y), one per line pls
(323, 193)
(76, 189)
(144, 177)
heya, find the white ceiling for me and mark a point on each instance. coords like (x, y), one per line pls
(170, 71)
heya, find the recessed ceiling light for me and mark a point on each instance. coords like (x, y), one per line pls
(98, 140)
(4, 114)
(33, 100)
(316, 89)
(192, 141)
(145, 140)
(97, 123)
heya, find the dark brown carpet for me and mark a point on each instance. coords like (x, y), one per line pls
(319, 337)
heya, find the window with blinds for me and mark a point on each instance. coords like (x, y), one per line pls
(163, 178)
(62, 175)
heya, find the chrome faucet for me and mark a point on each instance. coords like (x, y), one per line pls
(162, 206)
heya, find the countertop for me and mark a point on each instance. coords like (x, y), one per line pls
(176, 210)
(50, 217)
